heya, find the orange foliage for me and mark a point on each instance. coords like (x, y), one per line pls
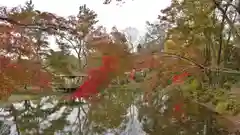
(15, 76)
(16, 40)
(117, 60)
(20, 45)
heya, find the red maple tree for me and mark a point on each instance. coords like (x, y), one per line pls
(97, 78)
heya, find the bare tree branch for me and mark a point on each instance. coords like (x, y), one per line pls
(217, 4)
(43, 27)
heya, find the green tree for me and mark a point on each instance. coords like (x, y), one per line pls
(75, 42)
(202, 25)
(60, 63)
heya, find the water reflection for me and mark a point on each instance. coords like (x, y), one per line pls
(115, 112)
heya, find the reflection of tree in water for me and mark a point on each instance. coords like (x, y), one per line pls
(196, 119)
(111, 113)
(36, 119)
(4, 128)
(111, 110)
(49, 116)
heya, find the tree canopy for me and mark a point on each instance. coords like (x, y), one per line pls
(191, 51)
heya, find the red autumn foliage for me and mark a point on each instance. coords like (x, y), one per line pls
(42, 79)
(179, 78)
(179, 113)
(101, 76)
(178, 107)
(15, 76)
(132, 74)
(110, 63)
(97, 78)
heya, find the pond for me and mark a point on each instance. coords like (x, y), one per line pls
(115, 112)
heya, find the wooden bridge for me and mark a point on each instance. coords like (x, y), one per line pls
(68, 83)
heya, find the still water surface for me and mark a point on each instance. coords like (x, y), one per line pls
(120, 112)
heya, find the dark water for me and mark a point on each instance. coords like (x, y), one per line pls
(116, 112)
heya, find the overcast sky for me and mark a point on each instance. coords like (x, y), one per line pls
(132, 13)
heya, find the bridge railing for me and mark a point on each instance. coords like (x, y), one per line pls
(68, 83)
